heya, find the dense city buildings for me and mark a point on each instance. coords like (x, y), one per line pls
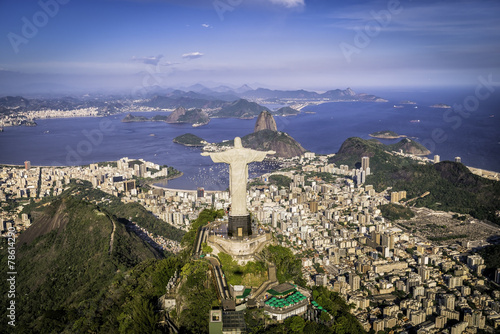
(392, 275)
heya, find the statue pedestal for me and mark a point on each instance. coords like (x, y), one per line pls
(243, 249)
(239, 226)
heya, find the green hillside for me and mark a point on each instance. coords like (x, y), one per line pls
(80, 270)
(354, 148)
(188, 139)
(67, 260)
(125, 212)
(451, 186)
(409, 146)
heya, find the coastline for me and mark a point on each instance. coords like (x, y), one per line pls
(154, 186)
(488, 174)
(184, 190)
(151, 182)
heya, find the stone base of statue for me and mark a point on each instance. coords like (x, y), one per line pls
(242, 250)
(239, 226)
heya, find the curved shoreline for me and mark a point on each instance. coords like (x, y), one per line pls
(184, 190)
(151, 183)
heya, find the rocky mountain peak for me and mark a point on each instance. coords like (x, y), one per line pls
(265, 121)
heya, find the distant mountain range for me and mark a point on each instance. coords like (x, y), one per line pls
(220, 102)
(247, 92)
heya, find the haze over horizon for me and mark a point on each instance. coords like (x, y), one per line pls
(282, 44)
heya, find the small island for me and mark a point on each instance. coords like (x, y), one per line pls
(131, 118)
(407, 102)
(386, 134)
(188, 139)
(441, 105)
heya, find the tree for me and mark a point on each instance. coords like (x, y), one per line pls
(207, 215)
(281, 181)
(296, 324)
(288, 267)
(324, 317)
(206, 248)
(143, 317)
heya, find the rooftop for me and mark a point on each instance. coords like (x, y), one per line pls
(282, 289)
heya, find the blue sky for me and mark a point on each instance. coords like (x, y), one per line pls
(286, 44)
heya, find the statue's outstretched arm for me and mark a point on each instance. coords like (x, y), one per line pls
(205, 154)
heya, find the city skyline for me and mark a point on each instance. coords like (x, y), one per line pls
(284, 44)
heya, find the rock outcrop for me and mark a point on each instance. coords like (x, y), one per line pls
(175, 115)
(265, 121)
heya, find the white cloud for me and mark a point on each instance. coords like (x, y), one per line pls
(192, 55)
(289, 3)
(204, 25)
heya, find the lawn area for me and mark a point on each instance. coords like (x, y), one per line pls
(252, 274)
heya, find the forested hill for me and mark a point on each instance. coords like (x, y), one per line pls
(124, 211)
(67, 261)
(81, 269)
(451, 186)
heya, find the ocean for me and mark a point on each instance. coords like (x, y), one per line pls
(473, 134)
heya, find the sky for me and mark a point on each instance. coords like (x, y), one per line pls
(281, 44)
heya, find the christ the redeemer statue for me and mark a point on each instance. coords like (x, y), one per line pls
(238, 159)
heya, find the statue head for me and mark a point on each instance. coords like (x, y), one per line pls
(237, 142)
